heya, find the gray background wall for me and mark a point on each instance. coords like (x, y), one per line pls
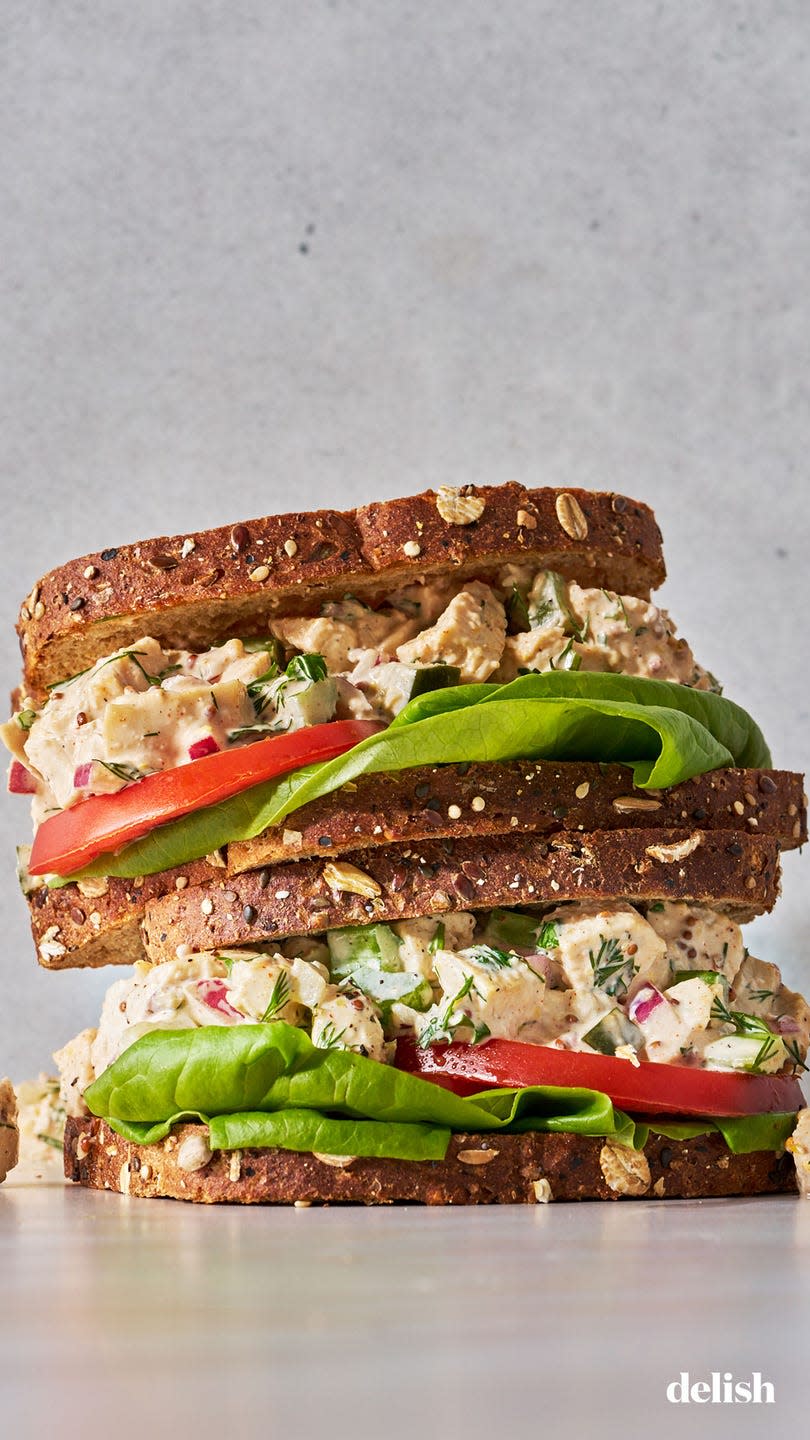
(261, 257)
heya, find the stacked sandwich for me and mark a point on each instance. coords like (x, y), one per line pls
(429, 845)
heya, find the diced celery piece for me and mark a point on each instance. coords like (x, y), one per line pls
(373, 946)
(613, 1030)
(509, 928)
(385, 987)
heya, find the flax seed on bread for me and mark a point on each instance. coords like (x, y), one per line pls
(200, 589)
(516, 1169)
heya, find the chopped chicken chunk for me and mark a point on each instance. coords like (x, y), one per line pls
(469, 634)
(606, 948)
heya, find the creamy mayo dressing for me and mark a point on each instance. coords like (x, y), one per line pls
(41, 1119)
(147, 709)
(599, 630)
(608, 979)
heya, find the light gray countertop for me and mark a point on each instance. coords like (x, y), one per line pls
(141, 1317)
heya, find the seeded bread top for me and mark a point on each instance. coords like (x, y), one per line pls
(200, 589)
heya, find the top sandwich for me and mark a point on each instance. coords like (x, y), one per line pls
(481, 626)
(256, 650)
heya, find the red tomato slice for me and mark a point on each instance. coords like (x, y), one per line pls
(102, 823)
(645, 1089)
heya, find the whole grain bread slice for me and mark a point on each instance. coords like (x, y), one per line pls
(200, 589)
(728, 870)
(539, 797)
(98, 922)
(477, 1170)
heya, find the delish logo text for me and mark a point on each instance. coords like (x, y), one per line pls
(720, 1390)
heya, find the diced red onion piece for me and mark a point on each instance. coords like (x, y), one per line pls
(215, 995)
(644, 1002)
(206, 746)
(20, 779)
(786, 1025)
(81, 775)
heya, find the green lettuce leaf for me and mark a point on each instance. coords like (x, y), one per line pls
(742, 1133)
(305, 1131)
(268, 1085)
(728, 723)
(665, 733)
(217, 1070)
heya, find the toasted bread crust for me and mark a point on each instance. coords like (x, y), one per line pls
(101, 927)
(9, 1131)
(477, 1170)
(728, 870)
(526, 797)
(412, 806)
(199, 590)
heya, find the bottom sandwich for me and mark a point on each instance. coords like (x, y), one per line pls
(573, 1052)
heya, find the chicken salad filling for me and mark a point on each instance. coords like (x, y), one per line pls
(146, 709)
(670, 983)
